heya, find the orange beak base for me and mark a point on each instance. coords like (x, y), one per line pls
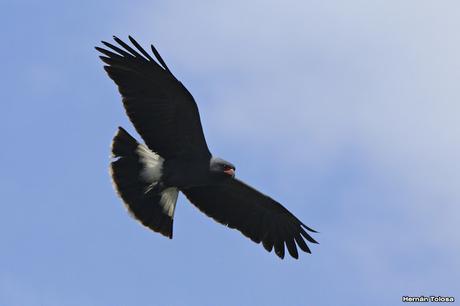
(230, 172)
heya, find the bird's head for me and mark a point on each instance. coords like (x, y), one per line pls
(221, 167)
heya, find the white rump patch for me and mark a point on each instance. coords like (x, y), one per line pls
(152, 162)
(168, 200)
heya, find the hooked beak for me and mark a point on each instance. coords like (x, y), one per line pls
(230, 172)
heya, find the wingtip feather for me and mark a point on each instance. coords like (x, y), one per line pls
(302, 244)
(307, 236)
(309, 228)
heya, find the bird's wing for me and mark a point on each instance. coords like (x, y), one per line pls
(257, 216)
(162, 110)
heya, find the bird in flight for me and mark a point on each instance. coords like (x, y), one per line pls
(175, 157)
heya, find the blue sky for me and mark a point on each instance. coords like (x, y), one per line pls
(344, 111)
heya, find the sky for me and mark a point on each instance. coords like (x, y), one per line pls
(344, 111)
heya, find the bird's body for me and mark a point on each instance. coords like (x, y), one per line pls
(175, 157)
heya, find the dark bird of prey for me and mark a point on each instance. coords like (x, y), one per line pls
(175, 157)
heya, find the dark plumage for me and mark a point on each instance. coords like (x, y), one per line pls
(176, 158)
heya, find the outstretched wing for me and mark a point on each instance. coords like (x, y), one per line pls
(257, 216)
(161, 109)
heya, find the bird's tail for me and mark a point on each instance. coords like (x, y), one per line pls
(136, 173)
